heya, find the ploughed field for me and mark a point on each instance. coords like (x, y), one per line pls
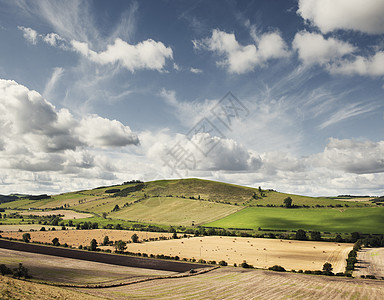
(261, 253)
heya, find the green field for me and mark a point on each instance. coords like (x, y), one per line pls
(364, 220)
(184, 202)
(174, 211)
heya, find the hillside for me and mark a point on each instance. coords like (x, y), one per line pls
(191, 202)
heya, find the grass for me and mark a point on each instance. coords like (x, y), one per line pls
(174, 211)
(365, 220)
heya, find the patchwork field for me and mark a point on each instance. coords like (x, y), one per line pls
(67, 214)
(365, 220)
(76, 238)
(261, 253)
(370, 262)
(26, 227)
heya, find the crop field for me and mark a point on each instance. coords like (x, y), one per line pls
(25, 227)
(76, 238)
(261, 253)
(74, 271)
(174, 211)
(365, 220)
(67, 214)
(238, 283)
(370, 262)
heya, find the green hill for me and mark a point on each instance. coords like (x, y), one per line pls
(195, 201)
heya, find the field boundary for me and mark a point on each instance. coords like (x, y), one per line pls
(113, 259)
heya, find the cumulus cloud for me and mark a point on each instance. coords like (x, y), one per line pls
(29, 34)
(313, 48)
(366, 16)
(29, 124)
(243, 59)
(148, 54)
(359, 157)
(364, 66)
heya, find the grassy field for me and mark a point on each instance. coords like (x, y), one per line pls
(194, 201)
(365, 220)
(174, 211)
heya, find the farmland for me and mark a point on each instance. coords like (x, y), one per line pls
(261, 253)
(365, 219)
(370, 262)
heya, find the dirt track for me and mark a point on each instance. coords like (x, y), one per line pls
(120, 260)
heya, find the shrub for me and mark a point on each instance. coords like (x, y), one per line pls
(277, 268)
(223, 263)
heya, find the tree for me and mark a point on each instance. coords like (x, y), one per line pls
(120, 246)
(339, 239)
(288, 202)
(355, 236)
(116, 208)
(21, 272)
(26, 237)
(55, 242)
(135, 238)
(42, 228)
(315, 236)
(106, 240)
(327, 268)
(104, 215)
(301, 235)
(93, 245)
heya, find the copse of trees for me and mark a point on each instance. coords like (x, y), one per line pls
(26, 237)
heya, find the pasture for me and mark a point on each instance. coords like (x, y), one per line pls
(365, 219)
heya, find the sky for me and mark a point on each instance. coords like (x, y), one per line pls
(282, 94)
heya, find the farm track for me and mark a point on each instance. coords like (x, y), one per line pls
(121, 260)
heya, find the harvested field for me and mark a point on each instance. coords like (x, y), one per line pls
(261, 253)
(26, 227)
(238, 283)
(113, 259)
(67, 214)
(74, 271)
(16, 289)
(76, 238)
(370, 262)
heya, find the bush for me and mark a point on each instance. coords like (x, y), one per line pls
(277, 268)
(223, 263)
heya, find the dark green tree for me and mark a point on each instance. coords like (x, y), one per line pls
(93, 245)
(116, 208)
(315, 236)
(327, 268)
(135, 238)
(106, 240)
(120, 246)
(26, 237)
(55, 242)
(288, 202)
(301, 235)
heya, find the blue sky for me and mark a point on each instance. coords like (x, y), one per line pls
(99, 92)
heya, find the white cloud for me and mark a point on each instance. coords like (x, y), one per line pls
(313, 48)
(56, 75)
(243, 59)
(100, 132)
(196, 71)
(34, 122)
(372, 66)
(346, 112)
(360, 15)
(360, 157)
(148, 54)
(29, 34)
